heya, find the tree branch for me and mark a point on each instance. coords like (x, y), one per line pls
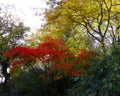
(101, 18)
(108, 20)
(91, 33)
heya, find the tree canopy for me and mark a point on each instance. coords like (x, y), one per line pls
(12, 32)
(75, 53)
(95, 18)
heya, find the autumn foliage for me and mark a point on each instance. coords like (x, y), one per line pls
(53, 55)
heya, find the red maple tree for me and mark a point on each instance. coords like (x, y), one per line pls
(53, 55)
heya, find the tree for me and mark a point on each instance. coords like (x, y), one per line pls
(54, 59)
(11, 29)
(12, 32)
(96, 18)
(103, 78)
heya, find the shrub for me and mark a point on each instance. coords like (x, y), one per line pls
(103, 77)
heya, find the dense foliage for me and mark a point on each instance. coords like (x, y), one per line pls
(12, 31)
(54, 59)
(103, 79)
(76, 53)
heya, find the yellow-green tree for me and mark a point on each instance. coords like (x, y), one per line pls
(98, 19)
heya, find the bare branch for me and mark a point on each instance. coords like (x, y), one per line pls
(91, 33)
(90, 25)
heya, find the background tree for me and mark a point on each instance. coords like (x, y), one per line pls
(12, 32)
(97, 19)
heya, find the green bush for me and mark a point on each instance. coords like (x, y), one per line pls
(103, 78)
(30, 84)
